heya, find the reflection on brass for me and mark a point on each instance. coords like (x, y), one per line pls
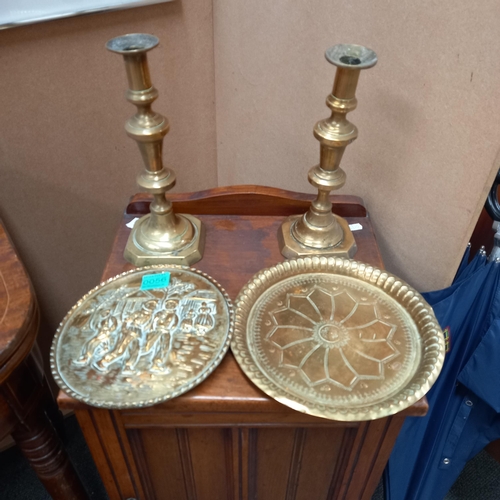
(122, 346)
(337, 339)
(161, 236)
(319, 231)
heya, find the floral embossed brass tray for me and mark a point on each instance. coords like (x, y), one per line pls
(142, 337)
(337, 339)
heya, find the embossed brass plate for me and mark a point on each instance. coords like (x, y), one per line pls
(124, 345)
(337, 339)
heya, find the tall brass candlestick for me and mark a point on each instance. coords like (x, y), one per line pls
(161, 236)
(319, 231)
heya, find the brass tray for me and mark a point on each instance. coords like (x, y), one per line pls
(337, 339)
(125, 344)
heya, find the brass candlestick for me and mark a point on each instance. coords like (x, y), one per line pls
(319, 231)
(161, 236)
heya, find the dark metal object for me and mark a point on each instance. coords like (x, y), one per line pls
(492, 205)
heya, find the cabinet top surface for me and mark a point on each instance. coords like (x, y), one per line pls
(236, 248)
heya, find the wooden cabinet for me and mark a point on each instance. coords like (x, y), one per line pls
(226, 439)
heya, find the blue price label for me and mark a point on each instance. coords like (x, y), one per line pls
(152, 281)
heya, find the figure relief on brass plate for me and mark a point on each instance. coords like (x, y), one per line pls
(332, 337)
(136, 330)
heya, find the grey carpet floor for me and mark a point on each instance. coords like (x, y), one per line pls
(480, 480)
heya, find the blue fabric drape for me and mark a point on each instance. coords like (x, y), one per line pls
(463, 263)
(463, 417)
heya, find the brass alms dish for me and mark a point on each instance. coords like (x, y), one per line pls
(337, 339)
(127, 345)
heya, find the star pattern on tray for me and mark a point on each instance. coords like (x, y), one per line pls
(329, 337)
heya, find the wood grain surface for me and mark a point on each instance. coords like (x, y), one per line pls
(18, 309)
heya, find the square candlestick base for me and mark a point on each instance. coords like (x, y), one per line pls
(291, 248)
(139, 256)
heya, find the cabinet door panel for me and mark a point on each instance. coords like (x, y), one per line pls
(273, 451)
(323, 460)
(184, 464)
(158, 458)
(210, 463)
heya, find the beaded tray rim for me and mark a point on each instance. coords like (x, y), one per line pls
(146, 402)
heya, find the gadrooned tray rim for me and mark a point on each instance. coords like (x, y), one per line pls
(433, 346)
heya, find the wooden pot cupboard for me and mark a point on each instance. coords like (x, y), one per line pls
(226, 440)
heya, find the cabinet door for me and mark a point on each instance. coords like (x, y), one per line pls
(160, 461)
(241, 463)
